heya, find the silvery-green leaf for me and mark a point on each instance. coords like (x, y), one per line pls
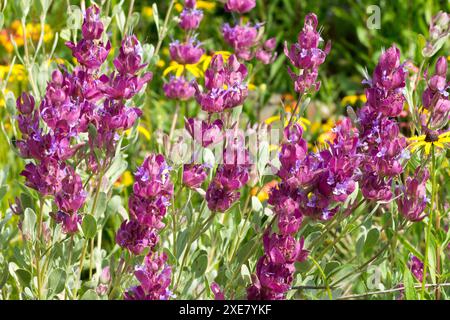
(24, 277)
(148, 51)
(208, 157)
(29, 223)
(90, 295)
(410, 290)
(57, 281)
(24, 6)
(75, 18)
(10, 101)
(133, 22)
(4, 275)
(200, 264)
(3, 190)
(156, 18)
(89, 226)
(65, 34)
(256, 204)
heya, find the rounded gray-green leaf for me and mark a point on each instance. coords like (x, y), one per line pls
(89, 226)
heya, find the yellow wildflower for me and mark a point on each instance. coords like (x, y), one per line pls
(179, 7)
(179, 69)
(206, 59)
(18, 73)
(251, 87)
(147, 12)
(142, 131)
(273, 147)
(16, 32)
(302, 121)
(429, 140)
(2, 97)
(125, 180)
(263, 193)
(201, 4)
(165, 51)
(161, 63)
(206, 5)
(353, 99)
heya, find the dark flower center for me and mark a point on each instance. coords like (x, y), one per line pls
(432, 136)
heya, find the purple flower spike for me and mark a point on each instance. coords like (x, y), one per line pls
(129, 60)
(152, 178)
(45, 177)
(71, 197)
(413, 199)
(220, 199)
(284, 249)
(135, 237)
(154, 277)
(148, 206)
(436, 97)
(241, 38)
(190, 19)
(205, 133)
(186, 53)
(416, 267)
(225, 85)
(218, 293)
(92, 28)
(88, 53)
(25, 104)
(118, 86)
(148, 212)
(265, 53)
(69, 222)
(179, 89)
(240, 6)
(194, 175)
(307, 56)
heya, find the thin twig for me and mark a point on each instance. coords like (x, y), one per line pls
(355, 296)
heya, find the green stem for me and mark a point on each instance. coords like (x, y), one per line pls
(189, 244)
(249, 253)
(83, 254)
(430, 221)
(240, 233)
(38, 249)
(130, 12)
(164, 30)
(324, 277)
(91, 259)
(121, 268)
(69, 262)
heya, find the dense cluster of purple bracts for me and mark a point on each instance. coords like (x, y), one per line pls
(381, 143)
(306, 56)
(316, 184)
(224, 89)
(246, 39)
(416, 267)
(435, 98)
(75, 102)
(185, 53)
(148, 204)
(412, 196)
(312, 184)
(154, 277)
(224, 84)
